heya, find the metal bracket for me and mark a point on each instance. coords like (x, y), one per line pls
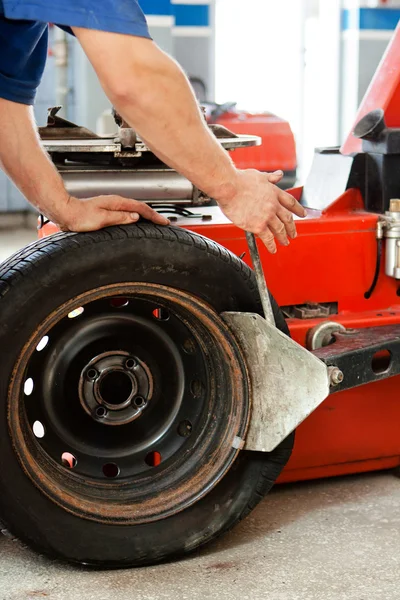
(287, 382)
(363, 355)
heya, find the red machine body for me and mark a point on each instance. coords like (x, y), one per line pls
(278, 149)
(384, 93)
(332, 261)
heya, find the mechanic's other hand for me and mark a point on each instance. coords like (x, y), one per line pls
(90, 214)
(260, 207)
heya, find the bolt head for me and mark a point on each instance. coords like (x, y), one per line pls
(335, 376)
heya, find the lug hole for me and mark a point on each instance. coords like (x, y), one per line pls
(91, 374)
(162, 314)
(111, 470)
(185, 428)
(68, 460)
(38, 429)
(101, 412)
(153, 459)
(130, 363)
(139, 401)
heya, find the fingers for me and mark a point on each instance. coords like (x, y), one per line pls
(118, 217)
(287, 219)
(278, 228)
(291, 204)
(267, 237)
(127, 205)
(148, 213)
(275, 177)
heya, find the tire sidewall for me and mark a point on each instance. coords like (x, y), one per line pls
(72, 265)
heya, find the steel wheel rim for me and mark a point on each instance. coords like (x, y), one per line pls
(185, 475)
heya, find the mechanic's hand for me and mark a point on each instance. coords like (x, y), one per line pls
(90, 214)
(262, 208)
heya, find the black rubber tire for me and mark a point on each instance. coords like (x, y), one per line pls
(49, 272)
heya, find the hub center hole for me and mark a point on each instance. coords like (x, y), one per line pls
(116, 387)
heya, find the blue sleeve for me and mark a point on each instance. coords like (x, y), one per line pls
(22, 58)
(117, 16)
(24, 35)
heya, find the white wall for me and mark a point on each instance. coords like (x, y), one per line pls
(283, 57)
(321, 80)
(292, 58)
(259, 55)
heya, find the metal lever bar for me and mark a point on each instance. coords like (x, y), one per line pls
(260, 278)
(287, 382)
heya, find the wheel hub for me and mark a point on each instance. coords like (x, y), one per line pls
(115, 388)
(108, 357)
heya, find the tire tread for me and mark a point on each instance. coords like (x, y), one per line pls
(26, 262)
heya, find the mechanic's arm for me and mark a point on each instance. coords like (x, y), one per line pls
(153, 95)
(24, 160)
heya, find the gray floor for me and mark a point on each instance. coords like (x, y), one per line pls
(328, 540)
(13, 239)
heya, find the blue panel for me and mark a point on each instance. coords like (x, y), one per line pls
(156, 7)
(191, 15)
(350, 19)
(379, 18)
(382, 19)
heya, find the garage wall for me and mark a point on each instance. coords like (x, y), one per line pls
(184, 29)
(11, 199)
(367, 27)
(312, 68)
(260, 55)
(181, 28)
(194, 41)
(309, 61)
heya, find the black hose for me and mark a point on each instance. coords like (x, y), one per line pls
(369, 293)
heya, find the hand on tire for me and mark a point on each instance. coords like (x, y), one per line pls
(260, 207)
(90, 214)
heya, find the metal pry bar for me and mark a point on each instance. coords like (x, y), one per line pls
(260, 278)
(287, 382)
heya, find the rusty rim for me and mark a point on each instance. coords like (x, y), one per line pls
(160, 367)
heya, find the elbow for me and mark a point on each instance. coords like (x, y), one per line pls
(123, 94)
(143, 84)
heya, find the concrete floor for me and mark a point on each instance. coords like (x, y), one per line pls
(329, 540)
(14, 239)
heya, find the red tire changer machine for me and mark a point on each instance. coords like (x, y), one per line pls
(338, 283)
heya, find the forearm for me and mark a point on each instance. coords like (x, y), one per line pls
(154, 96)
(24, 160)
(167, 117)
